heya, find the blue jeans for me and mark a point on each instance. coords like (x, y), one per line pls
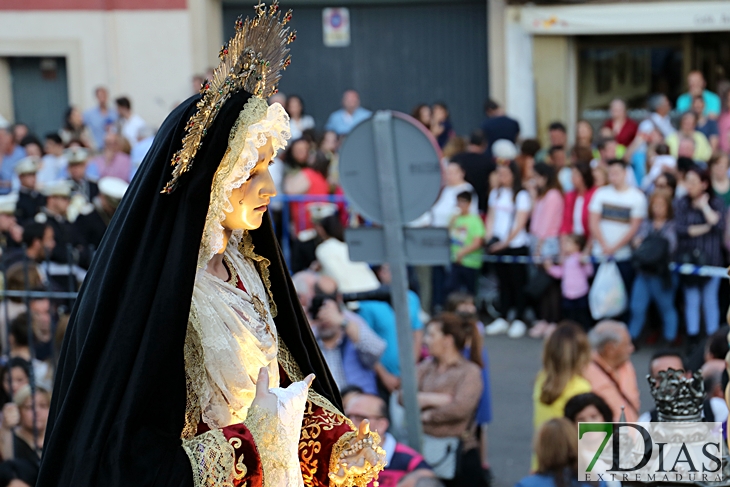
(706, 296)
(648, 288)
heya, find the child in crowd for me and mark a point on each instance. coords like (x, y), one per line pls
(574, 276)
(466, 230)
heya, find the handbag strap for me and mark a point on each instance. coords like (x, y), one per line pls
(618, 387)
(447, 454)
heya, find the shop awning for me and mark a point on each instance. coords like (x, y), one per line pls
(627, 18)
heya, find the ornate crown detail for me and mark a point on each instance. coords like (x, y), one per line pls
(678, 398)
(253, 60)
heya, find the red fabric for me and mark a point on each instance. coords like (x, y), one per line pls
(240, 285)
(627, 133)
(567, 227)
(318, 186)
(246, 453)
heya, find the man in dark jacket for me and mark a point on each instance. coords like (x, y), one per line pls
(94, 219)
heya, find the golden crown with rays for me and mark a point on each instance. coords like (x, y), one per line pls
(253, 60)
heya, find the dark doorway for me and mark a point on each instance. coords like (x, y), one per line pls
(40, 92)
(400, 55)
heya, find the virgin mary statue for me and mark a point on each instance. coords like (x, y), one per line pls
(188, 360)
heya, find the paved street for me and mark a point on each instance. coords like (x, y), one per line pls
(513, 365)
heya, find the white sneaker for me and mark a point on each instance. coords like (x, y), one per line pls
(498, 326)
(517, 329)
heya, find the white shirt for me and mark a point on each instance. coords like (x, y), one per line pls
(578, 217)
(660, 163)
(53, 169)
(298, 127)
(139, 152)
(388, 445)
(565, 177)
(131, 128)
(445, 207)
(505, 212)
(616, 209)
(656, 121)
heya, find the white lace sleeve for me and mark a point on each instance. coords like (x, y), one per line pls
(277, 438)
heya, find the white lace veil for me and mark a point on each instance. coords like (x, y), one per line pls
(256, 123)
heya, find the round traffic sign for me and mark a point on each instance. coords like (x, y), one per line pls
(418, 170)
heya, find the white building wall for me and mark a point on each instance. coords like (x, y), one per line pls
(146, 55)
(520, 75)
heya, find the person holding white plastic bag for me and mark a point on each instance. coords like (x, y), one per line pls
(616, 212)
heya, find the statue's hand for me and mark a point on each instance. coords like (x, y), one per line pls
(362, 458)
(265, 399)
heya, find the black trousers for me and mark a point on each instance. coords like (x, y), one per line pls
(550, 303)
(512, 280)
(462, 279)
(578, 310)
(471, 474)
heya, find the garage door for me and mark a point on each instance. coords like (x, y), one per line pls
(399, 56)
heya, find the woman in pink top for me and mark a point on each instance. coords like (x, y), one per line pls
(112, 162)
(545, 222)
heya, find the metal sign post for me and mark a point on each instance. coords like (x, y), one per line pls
(395, 255)
(390, 171)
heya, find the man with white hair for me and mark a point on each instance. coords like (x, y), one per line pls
(610, 372)
(659, 118)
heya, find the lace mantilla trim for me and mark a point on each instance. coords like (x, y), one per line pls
(273, 452)
(262, 265)
(256, 123)
(213, 459)
(194, 375)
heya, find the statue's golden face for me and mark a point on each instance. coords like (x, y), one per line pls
(252, 198)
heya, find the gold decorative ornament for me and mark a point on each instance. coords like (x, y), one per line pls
(253, 60)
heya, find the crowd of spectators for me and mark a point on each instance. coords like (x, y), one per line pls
(620, 187)
(638, 193)
(58, 194)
